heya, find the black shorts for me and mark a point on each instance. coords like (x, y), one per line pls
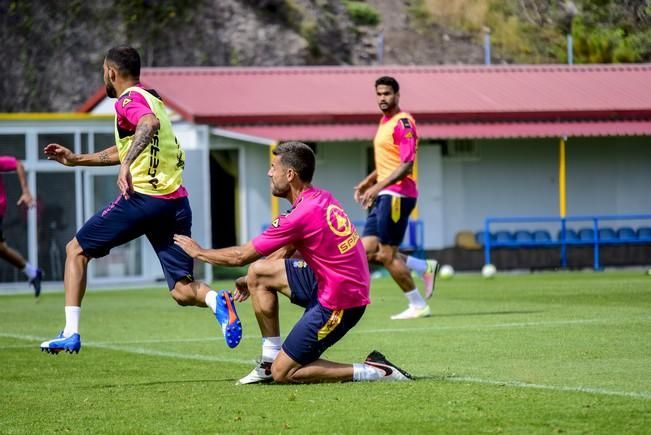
(319, 327)
(158, 219)
(388, 219)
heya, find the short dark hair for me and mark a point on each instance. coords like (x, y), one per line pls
(299, 157)
(388, 81)
(126, 59)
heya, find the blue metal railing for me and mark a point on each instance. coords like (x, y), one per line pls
(562, 241)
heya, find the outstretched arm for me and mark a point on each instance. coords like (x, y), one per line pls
(146, 129)
(233, 256)
(26, 198)
(63, 155)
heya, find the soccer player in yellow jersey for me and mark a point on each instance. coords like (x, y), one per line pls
(390, 193)
(152, 202)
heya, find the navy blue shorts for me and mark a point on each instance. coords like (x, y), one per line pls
(388, 219)
(319, 327)
(158, 219)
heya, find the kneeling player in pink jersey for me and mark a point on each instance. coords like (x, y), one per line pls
(331, 281)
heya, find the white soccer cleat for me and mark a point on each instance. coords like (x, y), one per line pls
(429, 277)
(413, 313)
(260, 374)
(390, 371)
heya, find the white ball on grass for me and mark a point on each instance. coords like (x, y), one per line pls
(446, 271)
(488, 271)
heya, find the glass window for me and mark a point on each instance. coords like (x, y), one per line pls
(84, 143)
(65, 139)
(56, 221)
(14, 229)
(124, 260)
(103, 141)
(13, 145)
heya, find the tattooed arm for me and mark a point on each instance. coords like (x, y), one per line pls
(147, 128)
(66, 157)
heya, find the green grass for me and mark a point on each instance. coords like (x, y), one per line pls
(542, 353)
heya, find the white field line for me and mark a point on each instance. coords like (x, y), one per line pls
(354, 331)
(198, 357)
(517, 384)
(140, 350)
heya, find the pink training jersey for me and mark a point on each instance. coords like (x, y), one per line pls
(323, 234)
(129, 108)
(7, 164)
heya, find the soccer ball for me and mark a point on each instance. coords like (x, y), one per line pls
(446, 271)
(488, 271)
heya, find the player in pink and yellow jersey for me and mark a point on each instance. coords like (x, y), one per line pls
(390, 194)
(331, 281)
(152, 202)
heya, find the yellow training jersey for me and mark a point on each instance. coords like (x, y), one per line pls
(396, 142)
(158, 170)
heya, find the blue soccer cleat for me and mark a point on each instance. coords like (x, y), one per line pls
(36, 282)
(60, 343)
(228, 319)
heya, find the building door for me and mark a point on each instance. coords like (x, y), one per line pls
(224, 199)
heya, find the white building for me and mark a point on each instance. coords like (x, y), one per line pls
(489, 146)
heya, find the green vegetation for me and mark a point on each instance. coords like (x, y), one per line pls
(534, 31)
(536, 353)
(362, 14)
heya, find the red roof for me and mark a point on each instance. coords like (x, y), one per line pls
(497, 130)
(445, 100)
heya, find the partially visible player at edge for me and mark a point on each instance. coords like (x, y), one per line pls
(390, 193)
(34, 275)
(152, 202)
(331, 283)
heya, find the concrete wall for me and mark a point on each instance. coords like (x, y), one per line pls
(520, 177)
(505, 178)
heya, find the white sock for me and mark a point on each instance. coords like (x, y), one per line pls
(270, 348)
(363, 372)
(29, 271)
(72, 321)
(211, 300)
(417, 264)
(415, 299)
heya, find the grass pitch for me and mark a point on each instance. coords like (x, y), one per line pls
(541, 353)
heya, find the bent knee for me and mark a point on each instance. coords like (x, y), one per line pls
(281, 376)
(74, 248)
(182, 294)
(385, 256)
(260, 268)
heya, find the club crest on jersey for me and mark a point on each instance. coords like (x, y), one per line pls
(275, 223)
(126, 101)
(338, 221)
(405, 122)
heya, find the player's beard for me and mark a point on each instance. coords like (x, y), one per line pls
(388, 108)
(279, 191)
(110, 90)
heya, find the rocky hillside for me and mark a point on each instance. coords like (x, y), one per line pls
(52, 50)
